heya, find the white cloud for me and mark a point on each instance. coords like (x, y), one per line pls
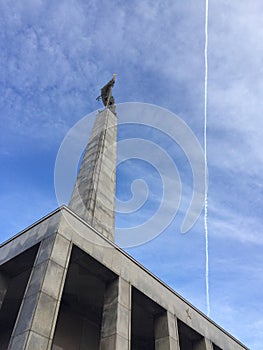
(235, 86)
(229, 222)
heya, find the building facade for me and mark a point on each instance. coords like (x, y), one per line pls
(65, 285)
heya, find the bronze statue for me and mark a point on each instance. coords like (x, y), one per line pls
(106, 95)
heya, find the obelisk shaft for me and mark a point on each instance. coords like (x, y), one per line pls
(93, 197)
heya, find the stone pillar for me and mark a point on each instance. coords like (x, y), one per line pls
(93, 197)
(116, 320)
(208, 344)
(37, 316)
(203, 344)
(3, 288)
(166, 332)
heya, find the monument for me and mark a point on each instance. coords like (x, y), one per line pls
(65, 285)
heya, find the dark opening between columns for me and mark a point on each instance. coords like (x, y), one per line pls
(189, 339)
(80, 315)
(144, 313)
(14, 276)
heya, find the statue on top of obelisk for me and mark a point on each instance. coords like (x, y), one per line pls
(106, 95)
(93, 196)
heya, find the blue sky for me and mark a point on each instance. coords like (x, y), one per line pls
(55, 56)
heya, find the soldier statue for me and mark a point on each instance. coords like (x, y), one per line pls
(106, 95)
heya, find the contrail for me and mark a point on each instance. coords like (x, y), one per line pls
(205, 154)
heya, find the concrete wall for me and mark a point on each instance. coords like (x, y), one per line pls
(99, 290)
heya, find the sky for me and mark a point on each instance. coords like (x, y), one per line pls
(54, 58)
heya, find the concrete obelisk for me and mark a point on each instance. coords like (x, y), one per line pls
(65, 286)
(93, 197)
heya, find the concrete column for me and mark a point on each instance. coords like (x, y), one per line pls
(116, 321)
(208, 344)
(37, 316)
(3, 288)
(203, 344)
(93, 197)
(166, 332)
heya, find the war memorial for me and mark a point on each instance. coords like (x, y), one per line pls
(65, 284)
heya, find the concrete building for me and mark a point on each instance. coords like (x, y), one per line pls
(65, 285)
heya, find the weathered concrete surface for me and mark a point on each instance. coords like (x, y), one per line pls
(166, 332)
(116, 319)
(37, 316)
(39, 308)
(203, 344)
(93, 197)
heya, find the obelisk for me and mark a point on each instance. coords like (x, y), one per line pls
(93, 197)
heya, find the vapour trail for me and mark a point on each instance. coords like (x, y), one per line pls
(205, 154)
